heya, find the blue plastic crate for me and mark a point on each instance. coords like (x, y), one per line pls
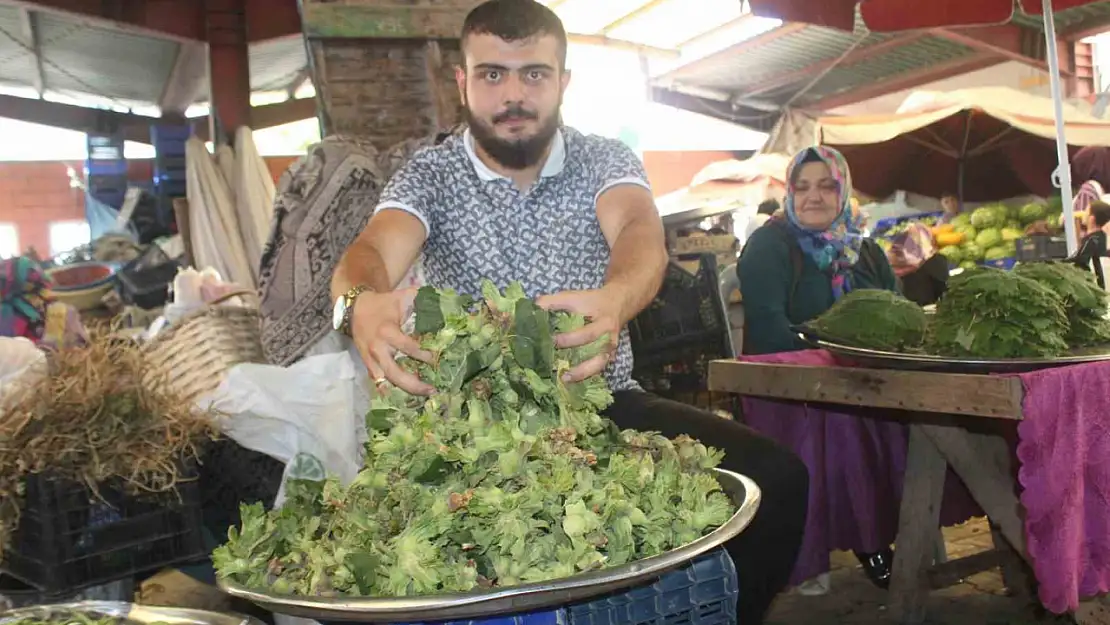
(106, 168)
(177, 133)
(1001, 263)
(702, 593)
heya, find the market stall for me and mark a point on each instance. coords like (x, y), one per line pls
(1009, 364)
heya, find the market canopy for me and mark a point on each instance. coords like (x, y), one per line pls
(998, 142)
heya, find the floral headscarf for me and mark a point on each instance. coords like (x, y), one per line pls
(24, 295)
(835, 249)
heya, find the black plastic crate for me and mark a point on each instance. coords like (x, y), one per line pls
(1041, 247)
(70, 538)
(231, 474)
(145, 281)
(682, 331)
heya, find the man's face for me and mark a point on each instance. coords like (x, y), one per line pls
(512, 91)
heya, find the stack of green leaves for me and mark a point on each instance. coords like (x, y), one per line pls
(506, 475)
(990, 313)
(1085, 300)
(873, 319)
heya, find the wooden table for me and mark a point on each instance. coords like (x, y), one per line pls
(954, 420)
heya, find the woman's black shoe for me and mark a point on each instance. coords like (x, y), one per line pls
(877, 566)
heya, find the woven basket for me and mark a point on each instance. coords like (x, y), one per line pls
(192, 357)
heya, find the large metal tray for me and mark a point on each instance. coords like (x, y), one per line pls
(521, 598)
(134, 613)
(877, 359)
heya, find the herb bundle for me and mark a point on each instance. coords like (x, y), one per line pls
(873, 319)
(990, 313)
(1084, 300)
(505, 475)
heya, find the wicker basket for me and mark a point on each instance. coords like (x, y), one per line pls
(192, 357)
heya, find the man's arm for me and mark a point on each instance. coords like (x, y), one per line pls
(381, 255)
(638, 252)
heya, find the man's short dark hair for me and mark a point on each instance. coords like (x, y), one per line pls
(767, 207)
(516, 20)
(1101, 212)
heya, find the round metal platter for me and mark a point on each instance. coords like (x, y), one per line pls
(130, 612)
(521, 598)
(877, 359)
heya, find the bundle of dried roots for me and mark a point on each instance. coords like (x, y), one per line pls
(91, 420)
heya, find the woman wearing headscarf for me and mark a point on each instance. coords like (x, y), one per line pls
(794, 270)
(791, 271)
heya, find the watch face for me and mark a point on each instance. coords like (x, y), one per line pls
(338, 312)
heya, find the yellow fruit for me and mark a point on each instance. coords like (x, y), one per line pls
(944, 239)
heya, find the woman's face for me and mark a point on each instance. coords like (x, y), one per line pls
(816, 196)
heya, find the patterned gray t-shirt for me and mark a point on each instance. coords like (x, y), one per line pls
(548, 238)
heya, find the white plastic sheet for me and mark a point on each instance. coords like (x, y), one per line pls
(21, 363)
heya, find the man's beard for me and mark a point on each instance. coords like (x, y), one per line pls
(515, 154)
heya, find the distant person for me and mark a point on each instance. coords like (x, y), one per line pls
(762, 214)
(1092, 249)
(951, 207)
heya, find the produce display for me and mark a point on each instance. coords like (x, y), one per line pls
(506, 475)
(989, 313)
(1039, 310)
(987, 233)
(874, 319)
(75, 618)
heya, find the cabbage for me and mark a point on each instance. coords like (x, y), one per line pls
(988, 238)
(1010, 235)
(961, 220)
(968, 231)
(953, 253)
(968, 264)
(1032, 212)
(996, 253)
(972, 252)
(986, 217)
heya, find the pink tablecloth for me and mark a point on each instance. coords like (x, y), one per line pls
(1064, 449)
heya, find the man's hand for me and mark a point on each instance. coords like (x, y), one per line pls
(603, 309)
(376, 330)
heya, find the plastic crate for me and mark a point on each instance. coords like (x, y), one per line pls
(16, 594)
(231, 474)
(160, 134)
(104, 147)
(145, 281)
(1001, 263)
(1041, 247)
(702, 593)
(683, 329)
(70, 538)
(106, 168)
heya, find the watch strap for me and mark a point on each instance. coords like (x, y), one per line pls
(349, 306)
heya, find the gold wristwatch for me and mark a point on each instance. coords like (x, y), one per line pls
(344, 305)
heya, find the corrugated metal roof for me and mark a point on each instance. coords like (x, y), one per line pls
(276, 64)
(111, 64)
(17, 64)
(1097, 12)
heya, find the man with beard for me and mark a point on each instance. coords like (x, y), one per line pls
(519, 197)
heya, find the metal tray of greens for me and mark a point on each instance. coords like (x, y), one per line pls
(520, 598)
(117, 613)
(908, 361)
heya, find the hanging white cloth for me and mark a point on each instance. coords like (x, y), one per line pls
(253, 187)
(214, 229)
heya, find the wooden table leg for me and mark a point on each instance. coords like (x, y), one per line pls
(918, 519)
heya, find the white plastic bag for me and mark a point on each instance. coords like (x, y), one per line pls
(21, 363)
(311, 415)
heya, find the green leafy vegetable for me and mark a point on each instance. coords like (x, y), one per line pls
(1084, 299)
(873, 319)
(506, 475)
(989, 313)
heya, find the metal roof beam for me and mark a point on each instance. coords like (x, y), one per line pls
(30, 26)
(761, 121)
(632, 15)
(738, 48)
(860, 54)
(137, 127)
(181, 20)
(188, 79)
(1010, 41)
(909, 80)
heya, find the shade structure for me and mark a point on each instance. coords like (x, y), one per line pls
(997, 141)
(898, 15)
